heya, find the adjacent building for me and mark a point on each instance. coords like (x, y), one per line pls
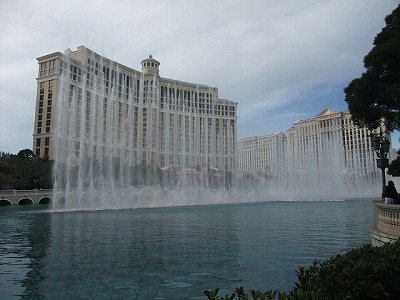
(89, 105)
(326, 152)
(262, 155)
(333, 147)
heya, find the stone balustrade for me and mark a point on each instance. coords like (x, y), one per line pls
(8, 197)
(386, 227)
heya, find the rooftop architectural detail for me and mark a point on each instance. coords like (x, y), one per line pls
(150, 65)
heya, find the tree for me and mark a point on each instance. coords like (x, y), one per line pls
(394, 167)
(376, 94)
(26, 153)
(25, 171)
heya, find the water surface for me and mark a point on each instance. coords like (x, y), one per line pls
(171, 253)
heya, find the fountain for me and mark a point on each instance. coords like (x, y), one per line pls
(96, 165)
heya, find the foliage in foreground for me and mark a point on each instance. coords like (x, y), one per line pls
(363, 273)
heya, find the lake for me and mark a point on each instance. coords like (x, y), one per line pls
(171, 253)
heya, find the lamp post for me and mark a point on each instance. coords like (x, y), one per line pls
(35, 181)
(381, 146)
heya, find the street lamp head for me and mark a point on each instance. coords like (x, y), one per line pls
(381, 146)
(385, 145)
(375, 142)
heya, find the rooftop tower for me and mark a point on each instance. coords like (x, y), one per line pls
(150, 66)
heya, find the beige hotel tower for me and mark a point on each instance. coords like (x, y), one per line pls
(93, 106)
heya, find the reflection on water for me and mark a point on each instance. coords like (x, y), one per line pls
(24, 239)
(145, 254)
(171, 253)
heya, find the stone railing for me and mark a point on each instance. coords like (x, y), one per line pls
(386, 227)
(32, 196)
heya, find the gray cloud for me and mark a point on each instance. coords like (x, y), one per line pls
(281, 60)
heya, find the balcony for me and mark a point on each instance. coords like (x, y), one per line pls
(386, 227)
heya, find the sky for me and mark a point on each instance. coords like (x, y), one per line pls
(280, 60)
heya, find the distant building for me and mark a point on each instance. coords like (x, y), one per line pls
(327, 152)
(93, 106)
(330, 149)
(262, 155)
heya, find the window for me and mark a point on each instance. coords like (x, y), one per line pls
(38, 142)
(46, 141)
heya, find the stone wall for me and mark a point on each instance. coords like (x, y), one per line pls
(25, 196)
(386, 227)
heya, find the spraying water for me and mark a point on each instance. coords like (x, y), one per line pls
(103, 149)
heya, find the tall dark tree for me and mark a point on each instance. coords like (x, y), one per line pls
(26, 154)
(376, 94)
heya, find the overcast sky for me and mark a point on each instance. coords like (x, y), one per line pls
(280, 60)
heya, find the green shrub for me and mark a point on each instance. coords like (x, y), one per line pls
(363, 273)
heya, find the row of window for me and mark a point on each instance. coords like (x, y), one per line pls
(39, 154)
(41, 102)
(173, 93)
(39, 144)
(150, 64)
(123, 115)
(47, 68)
(109, 78)
(46, 141)
(328, 124)
(122, 79)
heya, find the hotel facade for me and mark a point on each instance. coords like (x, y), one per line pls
(262, 155)
(327, 151)
(89, 105)
(331, 145)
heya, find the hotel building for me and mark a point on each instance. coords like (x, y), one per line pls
(327, 151)
(333, 147)
(262, 155)
(331, 130)
(89, 105)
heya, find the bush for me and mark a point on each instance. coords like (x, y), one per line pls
(363, 273)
